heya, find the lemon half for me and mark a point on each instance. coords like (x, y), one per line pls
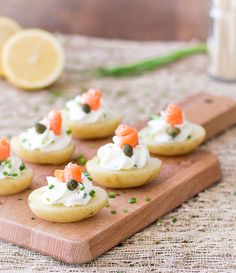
(32, 59)
(8, 27)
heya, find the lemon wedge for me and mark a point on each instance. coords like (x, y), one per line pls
(32, 59)
(7, 28)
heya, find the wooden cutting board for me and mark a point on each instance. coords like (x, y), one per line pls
(180, 179)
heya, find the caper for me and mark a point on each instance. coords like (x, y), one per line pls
(86, 108)
(72, 184)
(40, 128)
(128, 150)
(173, 131)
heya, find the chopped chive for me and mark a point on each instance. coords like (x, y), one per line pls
(22, 167)
(5, 173)
(148, 199)
(88, 176)
(154, 116)
(80, 159)
(107, 205)
(14, 174)
(82, 188)
(174, 220)
(111, 194)
(132, 200)
(113, 211)
(92, 193)
(68, 132)
(189, 137)
(48, 199)
(51, 187)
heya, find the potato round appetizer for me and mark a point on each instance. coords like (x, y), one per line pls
(124, 178)
(175, 148)
(41, 157)
(100, 129)
(61, 213)
(10, 186)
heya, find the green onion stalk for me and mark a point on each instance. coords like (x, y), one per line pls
(151, 64)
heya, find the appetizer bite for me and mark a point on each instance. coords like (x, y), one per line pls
(89, 117)
(170, 133)
(48, 142)
(69, 197)
(14, 175)
(125, 163)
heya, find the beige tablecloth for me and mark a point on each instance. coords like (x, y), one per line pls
(203, 239)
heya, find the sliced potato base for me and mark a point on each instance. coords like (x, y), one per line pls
(124, 178)
(176, 148)
(62, 214)
(10, 186)
(37, 156)
(94, 130)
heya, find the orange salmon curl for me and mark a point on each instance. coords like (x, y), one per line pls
(4, 149)
(71, 171)
(126, 135)
(55, 121)
(92, 98)
(174, 115)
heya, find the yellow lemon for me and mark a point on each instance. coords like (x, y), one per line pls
(32, 59)
(7, 28)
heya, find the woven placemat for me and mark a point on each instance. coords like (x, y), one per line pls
(198, 236)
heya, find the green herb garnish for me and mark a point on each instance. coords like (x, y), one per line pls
(15, 174)
(82, 188)
(154, 116)
(68, 132)
(113, 211)
(151, 64)
(189, 137)
(92, 193)
(111, 194)
(174, 220)
(51, 187)
(88, 176)
(22, 167)
(80, 159)
(132, 200)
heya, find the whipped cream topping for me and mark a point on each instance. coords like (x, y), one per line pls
(112, 157)
(75, 113)
(11, 167)
(47, 141)
(57, 192)
(158, 130)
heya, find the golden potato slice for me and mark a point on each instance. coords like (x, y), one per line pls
(175, 148)
(94, 130)
(61, 213)
(124, 178)
(10, 186)
(37, 156)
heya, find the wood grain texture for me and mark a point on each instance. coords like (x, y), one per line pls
(123, 19)
(181, 178)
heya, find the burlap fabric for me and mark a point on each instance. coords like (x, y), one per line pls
(200, 235)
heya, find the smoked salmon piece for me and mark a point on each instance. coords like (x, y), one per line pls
(55, 121)
(92, 98)
(174, 115)
(4, 149)
(59, 174)
(72, 171)
(126, 135)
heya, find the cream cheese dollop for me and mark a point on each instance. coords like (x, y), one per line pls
(112, 157)
(47, 141)
(75, 113)
(158, 130)
(57, 192)
(11, 167)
